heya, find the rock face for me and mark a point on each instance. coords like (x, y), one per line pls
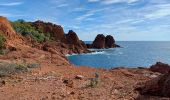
(75, 45)
(99, 42)
(70, 46)
(6, 28)
(72, 38)
(102, 42)
(157, 87)
(160, 67)
(12, 39)
(55, 31)
(109, 41)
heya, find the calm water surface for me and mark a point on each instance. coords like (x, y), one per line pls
(133, 54)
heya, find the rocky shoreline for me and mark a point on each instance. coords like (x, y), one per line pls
(56, 79)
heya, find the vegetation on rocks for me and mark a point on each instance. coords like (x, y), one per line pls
(2, 44)
(94, 82)
(2, 41)
(26, 28)
(6, 68)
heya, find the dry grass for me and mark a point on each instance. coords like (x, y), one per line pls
(7, 69)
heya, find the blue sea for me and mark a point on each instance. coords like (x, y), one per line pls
(132, 54)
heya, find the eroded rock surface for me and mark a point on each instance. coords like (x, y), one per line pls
(6, 28)
(160, 67)
(157, 87)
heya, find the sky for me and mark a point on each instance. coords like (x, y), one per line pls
(126, 20)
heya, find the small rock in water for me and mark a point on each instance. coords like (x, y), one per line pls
(79, 77)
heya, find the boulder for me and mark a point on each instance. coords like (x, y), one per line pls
(109, 41)
(99, 42)
(2, 83)
(68, 83)
(79, 77)
(159, 86)
(160, 67)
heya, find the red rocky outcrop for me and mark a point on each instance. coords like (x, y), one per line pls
(12, 39)
(109, 41)
(71, 40)
(6, 28)
(54, 30)
(99, 42)
(159, 86)
(102, 42)
(160, 67)
(75, 45)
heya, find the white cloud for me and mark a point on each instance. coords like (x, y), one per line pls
(93, 0)
(80, 18)
(5, 14)
(11, 4)
(162, 10)
(62, 5)
(113, 1)
(118, 1)
(88, 14)
(78, 9)
(11, 14)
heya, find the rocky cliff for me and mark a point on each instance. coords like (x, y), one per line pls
(12, 39)
(56, 31)
(68, 43)
(6, 28)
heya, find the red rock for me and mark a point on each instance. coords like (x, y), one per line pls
(102, 42)
(55, 30)
(6, 28)
(69, 83)
(72, 38)
(160, 67)
(157, 86)
(99, 42)
(79, 77)
(75, 45)
(109, 41)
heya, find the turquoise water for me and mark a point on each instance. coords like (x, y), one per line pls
(133, 54)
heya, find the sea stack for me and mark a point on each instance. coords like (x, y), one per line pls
(102, 42)
(99, 42)
(109, 41)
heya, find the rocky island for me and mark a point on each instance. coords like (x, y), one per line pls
(102, 42)
(33, 66)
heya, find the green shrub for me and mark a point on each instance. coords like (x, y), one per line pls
(33, 65)
(21, 67)
(94, 82)
(2, 41)
(6, 69)
(39, 37)
(26, 28)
